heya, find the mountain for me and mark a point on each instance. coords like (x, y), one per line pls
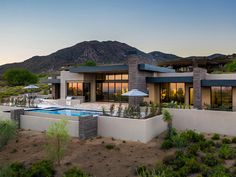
(106, 52)
(160, 56)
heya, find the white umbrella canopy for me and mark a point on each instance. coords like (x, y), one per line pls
(135, 93)
(31, 87)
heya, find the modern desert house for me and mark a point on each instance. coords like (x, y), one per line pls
(107, 83)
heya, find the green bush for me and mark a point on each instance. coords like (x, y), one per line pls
(17, 77)
(110, 146)
(58, 138)
(179, 141)
(217, 171)
(42, 168)
(215, 137)
(13, 170)
(206, 146)
(227, 152)
(75, 172)
(167, 144)
(193, 149)
(211, 160)
(192, 137)
(7, 131)
(233, 140)
(226, 141)
(192, 166)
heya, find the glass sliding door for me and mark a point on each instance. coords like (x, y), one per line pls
(109, 87)
(221, 98)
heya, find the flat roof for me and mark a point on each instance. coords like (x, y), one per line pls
(185, 79)
(153, 68)
(52, 81)
(100, 69)
(209, 83)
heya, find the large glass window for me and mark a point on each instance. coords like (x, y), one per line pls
(78, 89)
(172, 92)
(221, 98)
(111, 87)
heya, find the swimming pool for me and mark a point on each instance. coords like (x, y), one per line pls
(67, 112)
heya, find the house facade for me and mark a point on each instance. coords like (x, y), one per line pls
(163, 85)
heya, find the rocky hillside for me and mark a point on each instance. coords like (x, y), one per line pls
(106, 52)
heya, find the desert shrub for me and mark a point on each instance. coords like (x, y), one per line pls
(192, 136)
(227, 152)
(179, 141)
(153, 110)
(119, 111)
(215, 137)
(13, 170)
(217, 171)
(142, 171)
(211, 160)
(110, 146)
(7, 131)
(193, 149)
(42, 168)
(206, 146)
(233, 140)
(167, 144)
(112, 109)
(191, 166)
(75, 172)
(58, 138)
(226, 141)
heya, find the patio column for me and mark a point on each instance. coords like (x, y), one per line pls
(137, 78)
(198, 75)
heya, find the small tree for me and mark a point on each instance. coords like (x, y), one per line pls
(7, 131)
(58, 138)
(89, 63)
(18, 77)
(167, 117)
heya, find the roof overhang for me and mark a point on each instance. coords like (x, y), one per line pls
(101, 69)
(52, 81)
(209, 83)
(153, 68)
(182, 79)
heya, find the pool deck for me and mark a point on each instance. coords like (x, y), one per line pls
(96, 106)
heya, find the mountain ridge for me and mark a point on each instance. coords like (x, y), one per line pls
(104, 52)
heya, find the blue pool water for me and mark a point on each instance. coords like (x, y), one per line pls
(67, 112)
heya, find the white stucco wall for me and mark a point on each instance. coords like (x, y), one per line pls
(131, 129)
(4, 115)
(207, 121)
(68, 76)
(43, 123)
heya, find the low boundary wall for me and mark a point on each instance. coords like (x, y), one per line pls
(42, 124)
(131, 129)
(221, 122)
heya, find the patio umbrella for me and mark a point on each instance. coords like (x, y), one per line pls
(135, 93)
(31, 87)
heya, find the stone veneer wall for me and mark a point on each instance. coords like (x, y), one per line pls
(88, 127)
(198, 75)
(137, 79)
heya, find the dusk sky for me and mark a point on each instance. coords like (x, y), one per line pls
(181, 27)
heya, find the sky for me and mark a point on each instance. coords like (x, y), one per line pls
(181, 27)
